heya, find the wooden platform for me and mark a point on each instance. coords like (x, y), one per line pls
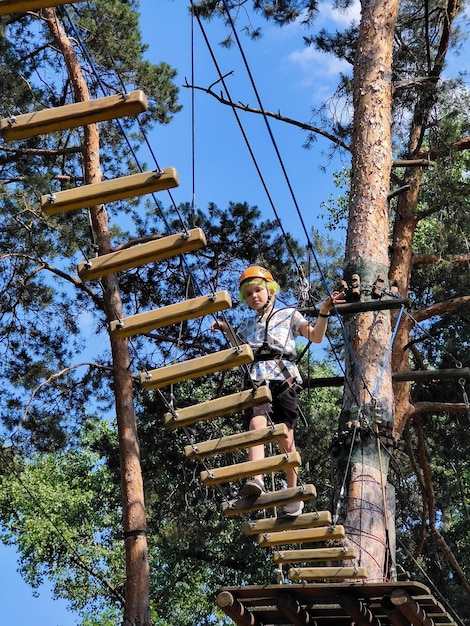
(334, 604)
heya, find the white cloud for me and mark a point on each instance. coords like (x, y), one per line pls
(315, 63)
(331, 17)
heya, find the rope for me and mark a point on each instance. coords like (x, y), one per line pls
(309, 243)
(388, 353)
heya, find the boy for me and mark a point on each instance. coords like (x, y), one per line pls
(271, 333)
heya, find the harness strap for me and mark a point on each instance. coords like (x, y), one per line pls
(272, 356)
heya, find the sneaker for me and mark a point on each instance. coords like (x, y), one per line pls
(253, 487)
(293, 509)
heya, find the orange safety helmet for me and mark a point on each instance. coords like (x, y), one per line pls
(256, 271)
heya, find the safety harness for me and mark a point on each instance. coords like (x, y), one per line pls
(266, 353)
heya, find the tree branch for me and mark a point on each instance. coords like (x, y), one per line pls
(432, 259)
(455, 305)
(276, 116)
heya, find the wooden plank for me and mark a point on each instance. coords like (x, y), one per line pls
(109, 191)
(315, 554)
(326, 573)
(72, 115)
(172, 314)
(303, 535)
(141, 254)
(273, 524)
(218, 407)
(231, 443)
(202, 366)
(21, 6)
(269, 500)
(228, 473)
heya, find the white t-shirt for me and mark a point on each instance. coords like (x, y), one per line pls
(282, 329)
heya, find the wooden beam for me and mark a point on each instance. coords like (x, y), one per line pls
(424, 375)
(218, 407)
(411, 375)
(315, 554)
(392, 613)
(172, 314)
(323, 381)
(72, 115)
(302, 535)
(409, 608)
(235, 610)
(194, 368)
(362, 307)
(231, 443)
(273, 524)
(228, 473)
(141, 254)
(357, 609)
(269, 500)
(292, 610)
(109, 191)
(413, 163)
(21, 6)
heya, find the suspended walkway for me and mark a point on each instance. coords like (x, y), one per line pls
(324, 584)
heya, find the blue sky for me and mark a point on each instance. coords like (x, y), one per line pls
(289, 78)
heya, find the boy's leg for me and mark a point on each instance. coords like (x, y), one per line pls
(255, 486)
(285, 408)
(287, 446)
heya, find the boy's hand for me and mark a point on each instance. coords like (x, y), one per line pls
(336, 297)
(218, 325)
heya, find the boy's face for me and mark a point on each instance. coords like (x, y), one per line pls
(256, 296)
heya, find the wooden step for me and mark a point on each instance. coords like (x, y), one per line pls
(218, 407)
(202, 366)
(72, 115)
(238, 441)
(143, 253)
(21, 6)
(229, 473)
(273, 524)
(269, 500)
(326, 573)
(172, 314)
(303, 535)
(121, 188)
(316, 554)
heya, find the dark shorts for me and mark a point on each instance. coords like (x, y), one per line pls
(282, 410)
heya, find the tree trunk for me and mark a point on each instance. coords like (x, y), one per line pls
(137, 608)
(407, 216)
(368, 396)
(400, 272)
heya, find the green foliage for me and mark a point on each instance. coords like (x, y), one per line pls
(62, 512)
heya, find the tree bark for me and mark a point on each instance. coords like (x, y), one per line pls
(368, 397)
(137, 604)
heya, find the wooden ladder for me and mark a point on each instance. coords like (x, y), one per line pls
(279, 532)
